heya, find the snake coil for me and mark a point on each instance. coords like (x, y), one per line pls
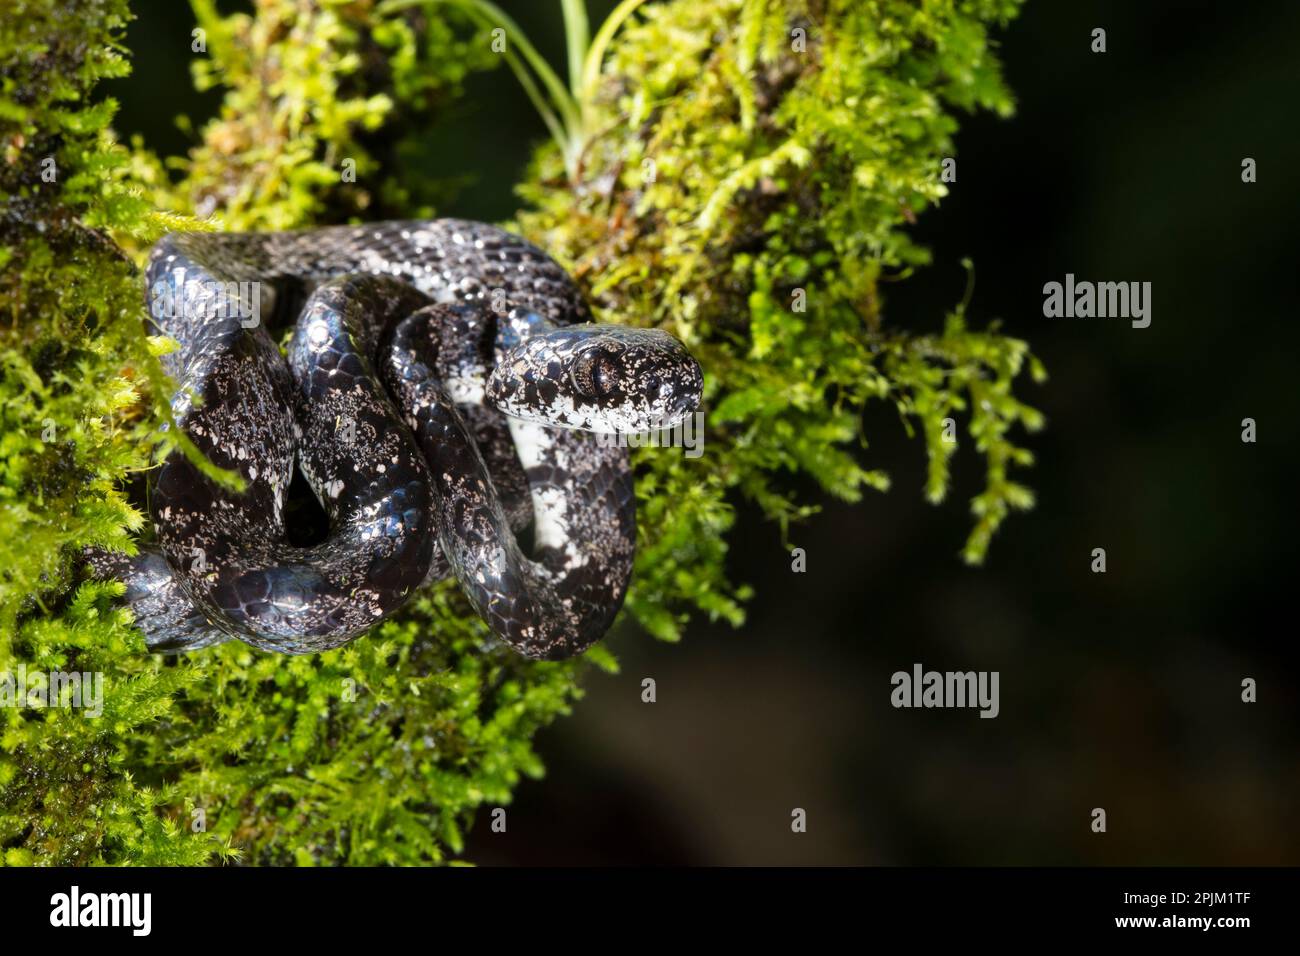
(442, 389)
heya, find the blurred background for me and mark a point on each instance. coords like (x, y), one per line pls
(1119, 690)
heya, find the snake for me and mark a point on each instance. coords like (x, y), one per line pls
(441, 387)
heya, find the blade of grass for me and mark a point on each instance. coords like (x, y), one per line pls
(596, 52)
(490, 14)
(577, 37)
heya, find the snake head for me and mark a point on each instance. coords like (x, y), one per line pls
(600, 378)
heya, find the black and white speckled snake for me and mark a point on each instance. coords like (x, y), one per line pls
(442, 386)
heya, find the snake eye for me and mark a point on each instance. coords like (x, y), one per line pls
(594, 375)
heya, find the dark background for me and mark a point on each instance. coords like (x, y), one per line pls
(1119, 690)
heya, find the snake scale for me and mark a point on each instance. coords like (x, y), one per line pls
(440, 391)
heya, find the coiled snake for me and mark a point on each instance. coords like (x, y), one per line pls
(441, 389)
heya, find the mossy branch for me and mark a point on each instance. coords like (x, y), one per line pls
(744, 172)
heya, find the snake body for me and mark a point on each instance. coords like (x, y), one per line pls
(440, 391)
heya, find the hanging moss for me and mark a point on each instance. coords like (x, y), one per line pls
(740, 172)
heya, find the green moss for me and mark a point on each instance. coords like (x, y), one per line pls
(709, 174)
